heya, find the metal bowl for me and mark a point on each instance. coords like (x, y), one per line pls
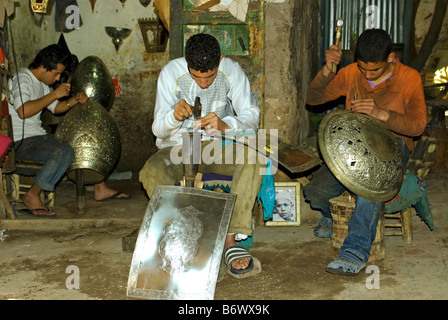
(362, 154)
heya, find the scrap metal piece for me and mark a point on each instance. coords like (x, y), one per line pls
(362, 153)
(294, 159)
(179, 247)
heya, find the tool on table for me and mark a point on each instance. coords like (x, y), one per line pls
(197, 108)
(192, 146)
(189, 122)
(339, 25)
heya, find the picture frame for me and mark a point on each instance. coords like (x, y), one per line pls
(287, 205)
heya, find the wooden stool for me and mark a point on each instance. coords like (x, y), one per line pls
(399, 224)
(23, 179)
(4, 202)
(341, 209)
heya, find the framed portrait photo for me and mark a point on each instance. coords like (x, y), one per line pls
(287, 205)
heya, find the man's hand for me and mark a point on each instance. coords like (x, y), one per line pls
(62, 91)
(332, 55)
(182, 110)
(81, 97)
(369, 107)
(211, 123)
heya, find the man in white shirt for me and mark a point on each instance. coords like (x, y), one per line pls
(227, 106)
(30, 95)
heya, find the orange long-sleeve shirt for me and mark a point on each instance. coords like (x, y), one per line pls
(401, 96)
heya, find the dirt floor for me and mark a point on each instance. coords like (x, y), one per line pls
(39, 256)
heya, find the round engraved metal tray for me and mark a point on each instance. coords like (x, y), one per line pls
(362, 154)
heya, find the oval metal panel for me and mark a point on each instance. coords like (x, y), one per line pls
(92, 77)
(93, 134)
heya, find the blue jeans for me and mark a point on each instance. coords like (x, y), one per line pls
(362, 225)
(57, 156)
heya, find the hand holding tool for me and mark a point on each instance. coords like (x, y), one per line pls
(339, 25)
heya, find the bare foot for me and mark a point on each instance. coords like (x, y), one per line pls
(237, 264)
(32, 201)
(102, 191)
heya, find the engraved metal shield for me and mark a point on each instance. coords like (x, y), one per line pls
(179, 247)
(92, 77)
(93, 134)
(362, 154)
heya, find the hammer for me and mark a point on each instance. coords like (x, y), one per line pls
(339, 25)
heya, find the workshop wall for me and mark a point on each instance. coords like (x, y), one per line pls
(292, 45)
(135, 69)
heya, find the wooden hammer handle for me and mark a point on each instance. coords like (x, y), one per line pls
(338, 41)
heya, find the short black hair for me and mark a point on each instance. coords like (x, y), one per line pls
(373, 45)
(50, 56)
(202, 52)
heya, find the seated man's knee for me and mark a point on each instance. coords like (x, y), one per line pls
(66, 154)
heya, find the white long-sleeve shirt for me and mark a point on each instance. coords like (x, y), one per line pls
(229, 96)
(30, 89)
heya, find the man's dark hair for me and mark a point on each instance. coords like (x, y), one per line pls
(49, 57)
(374, 45)
(202, 52)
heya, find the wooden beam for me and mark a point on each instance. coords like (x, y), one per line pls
(208, 5)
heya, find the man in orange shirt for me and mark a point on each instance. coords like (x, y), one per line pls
(379, 85)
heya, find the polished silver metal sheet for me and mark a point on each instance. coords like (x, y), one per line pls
(362, 153)
(179, 247)
(93, 134)
(92, 77)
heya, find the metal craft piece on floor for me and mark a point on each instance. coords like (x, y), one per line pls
(93, 134)
(179, 247)
(92, 77)
(362, 154)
